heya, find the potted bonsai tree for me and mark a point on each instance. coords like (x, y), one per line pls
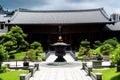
(26, 63)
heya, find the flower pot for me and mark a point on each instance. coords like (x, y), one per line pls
(26, 64)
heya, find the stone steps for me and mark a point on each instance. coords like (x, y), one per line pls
(61, 73)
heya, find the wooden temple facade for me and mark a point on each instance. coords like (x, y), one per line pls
(73, 25)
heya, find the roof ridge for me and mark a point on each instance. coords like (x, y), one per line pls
(104, 13)
(76, 10)
(14, 15)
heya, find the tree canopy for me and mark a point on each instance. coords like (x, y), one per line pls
(14, 40)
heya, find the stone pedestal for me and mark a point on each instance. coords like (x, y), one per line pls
(60, 48)
(97, 63)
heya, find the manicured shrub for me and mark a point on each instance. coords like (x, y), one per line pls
(113, 42)
(106, 48)
(97, 44)
(35, 45)
(31, 55)
(3, 69)
(14, 40)
(115, 55)
(3, 56)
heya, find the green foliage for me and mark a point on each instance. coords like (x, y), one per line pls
(115, 55)
(3, 53)
(31, 55)
(97, 50)
(109, 74)
(97, 44)
(91, 52)
(3, 56)
(20, 55)
(14, 40)
(3, 69)
(82, 50)
(106, 48)
(112, 42)
(84, 47)
(35, 45)
(12, 75)
(39, 50)
(85, 43)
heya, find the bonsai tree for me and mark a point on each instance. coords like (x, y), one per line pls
(37, 46)
(113, 42)
(31, 55)
(14, 40)
(83, 49)
(86, 45)
(106, 49)
(97, 44)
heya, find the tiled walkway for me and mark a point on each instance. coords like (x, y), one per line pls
(63, 71)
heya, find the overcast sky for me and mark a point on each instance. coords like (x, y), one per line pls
(110, 6)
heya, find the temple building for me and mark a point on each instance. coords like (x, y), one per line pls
(73, 25)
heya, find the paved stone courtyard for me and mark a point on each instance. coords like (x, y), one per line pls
(49, 70)
(60, 71)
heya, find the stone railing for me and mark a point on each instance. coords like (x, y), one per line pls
(73, 55)
(32, 70)
(88, 70)
(47, 55)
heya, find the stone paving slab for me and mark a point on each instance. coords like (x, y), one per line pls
(60, 73)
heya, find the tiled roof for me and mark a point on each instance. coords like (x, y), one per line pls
(3, 18)
(115, 27)
(59, 16)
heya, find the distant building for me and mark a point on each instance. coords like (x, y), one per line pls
(3, 19)
(115, 17)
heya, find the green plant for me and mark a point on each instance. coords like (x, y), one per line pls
(14, 40)
(85, 43)
(84, 47)
(13, 75)
(106, 48)
(82, 50)
(113, 42)
(35, 45)
(97, 44)
(3, 55)
(115, 55)
(39, 50)
(3, 69)
(108, 74)
(31, 55)
(20, 55)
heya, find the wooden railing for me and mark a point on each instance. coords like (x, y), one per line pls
(47, 55)
(28, 76)
(73, 55)
(32, 71)
(88, 70)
